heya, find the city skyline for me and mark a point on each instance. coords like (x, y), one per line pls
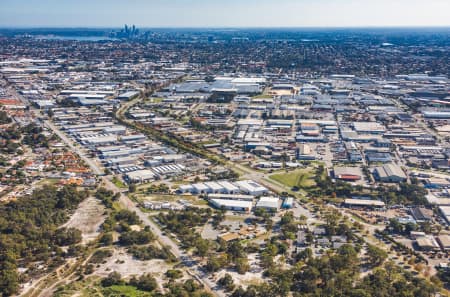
(214, 14)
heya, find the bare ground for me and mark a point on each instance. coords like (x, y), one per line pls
(87, 218)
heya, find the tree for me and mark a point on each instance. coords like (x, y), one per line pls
(50, 113)
(213, 264)
(147, 283)
(376, 255)
(114, 278)
(67, 236)
(9, 278)
(331, 219)
(242, 265)
(236, 250)
(174, 273)
(227, 282)
(132, 188)
(202, 246)
(106, 239)
(136, 237)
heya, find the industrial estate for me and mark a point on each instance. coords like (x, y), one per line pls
(224, 163)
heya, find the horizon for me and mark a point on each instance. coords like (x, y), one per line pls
(229, 27)
(218, 14)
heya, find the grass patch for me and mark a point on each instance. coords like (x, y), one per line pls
(155, 99)
(302, 178)
(48, 182)
(124, 290)
(263, 96)
(119, 183)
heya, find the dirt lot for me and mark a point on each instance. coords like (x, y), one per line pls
(377, 217)
(127, 266)
(88, 219)
(254, 276)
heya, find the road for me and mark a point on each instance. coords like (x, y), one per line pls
(192, 266)
(91, 163)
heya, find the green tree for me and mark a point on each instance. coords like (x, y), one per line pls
(242, 265)
(114, 278)
(376, 255)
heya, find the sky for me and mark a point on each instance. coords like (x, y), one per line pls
(224, 13)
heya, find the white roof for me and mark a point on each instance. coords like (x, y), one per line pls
(213, 186)
(231, 196)
(390, 170)
(368, 126)
(200, 187)
(186, 187)
(228, 186)
(140, 174)
(433, 199)
(232, 203)
(248, 80)
(445, 210)
(268, 202)
(364, 202)
(250, 186)
(250, 122)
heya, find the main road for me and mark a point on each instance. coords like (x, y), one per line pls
(192, 267)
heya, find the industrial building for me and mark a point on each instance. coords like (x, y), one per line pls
(235, 205)
(445, 211)
(269, 203)
(348, 173)
(390, 173)
(140, 176)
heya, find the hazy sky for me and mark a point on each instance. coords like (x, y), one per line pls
(224, 13)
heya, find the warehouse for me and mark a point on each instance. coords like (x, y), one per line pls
(128, 95)
(369, 127)
(445, 211)
(347, 173)
(373, 157)
(436, 114)
(121, 161)
(231, 197)
(268, 203)
(168, 170)
(186, 189)
(133, 138)
(288, 203)
(228, 187)
(214, 187)
(427, 243)
(421, 214)
(99, 140)
(116, 129)
(121, 153)
(252, 188)
(304, 152)
(140, 176)
(437, 183)
(200, 188)
(362, 203)
(235, 205)
(390, 173)
(444, 242)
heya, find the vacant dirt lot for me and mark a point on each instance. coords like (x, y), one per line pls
(87, 218)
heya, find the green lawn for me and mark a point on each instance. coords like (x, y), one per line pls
(119, 183)
(262, 96)
(155, 99)
(302, 178)
(124, 290)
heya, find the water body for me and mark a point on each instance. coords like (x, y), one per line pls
(76, 38)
